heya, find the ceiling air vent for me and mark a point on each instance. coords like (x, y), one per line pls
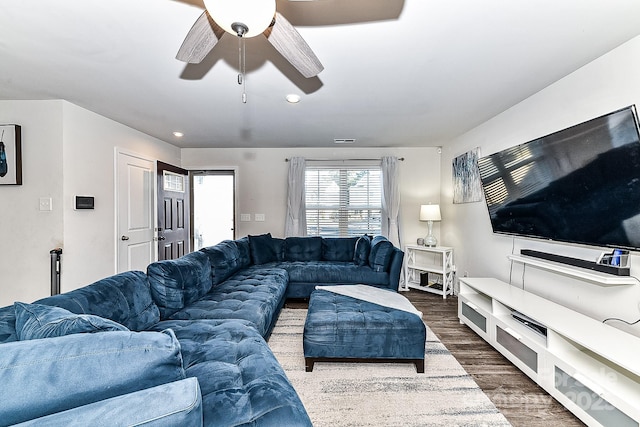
(344, 140)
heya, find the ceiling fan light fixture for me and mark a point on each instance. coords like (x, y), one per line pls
(254, 15)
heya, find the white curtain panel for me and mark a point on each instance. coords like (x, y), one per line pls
(296, 221)
(390, 200)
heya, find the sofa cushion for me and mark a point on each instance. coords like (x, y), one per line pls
(244, 252)
(255, 294)
(262, 249)
(303, 248)
(278, 246)
(74, 370)
(178, 282)
(361, 251)
(336, 272)
(224, 259)
(338, 248)
(178, 403)
(124, 298)
(242, 382)
(380, 254)
(8, 324)
(35, 321)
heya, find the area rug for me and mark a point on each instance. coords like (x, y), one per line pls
(382, 394)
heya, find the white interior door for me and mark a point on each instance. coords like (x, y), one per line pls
(135, 212)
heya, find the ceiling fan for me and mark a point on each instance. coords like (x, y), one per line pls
(248, 18)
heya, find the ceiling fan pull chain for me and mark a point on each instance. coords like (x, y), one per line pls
(242, 68)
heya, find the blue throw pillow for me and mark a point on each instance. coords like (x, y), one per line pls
(380, 254)
(36, 321)
(262, 249)
(361, 254)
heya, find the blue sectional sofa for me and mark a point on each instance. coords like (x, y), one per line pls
(183, 343)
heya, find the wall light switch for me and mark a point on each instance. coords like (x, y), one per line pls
(245, 217)
(259, 217)
(46, 204)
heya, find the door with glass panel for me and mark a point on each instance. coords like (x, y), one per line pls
(213, 212)
(173, 211)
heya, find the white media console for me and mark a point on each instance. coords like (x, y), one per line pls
(593, 369)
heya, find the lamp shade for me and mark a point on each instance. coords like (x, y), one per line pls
(256, 15)
(430, 213)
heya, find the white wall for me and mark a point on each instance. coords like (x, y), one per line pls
(89, 152)
(605, 85)
(27, 233)
(262, 181)
(67, 151)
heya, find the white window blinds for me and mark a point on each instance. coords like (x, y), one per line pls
(343, 200)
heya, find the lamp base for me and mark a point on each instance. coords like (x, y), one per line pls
(430, 241)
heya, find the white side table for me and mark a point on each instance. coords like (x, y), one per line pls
(429, 269)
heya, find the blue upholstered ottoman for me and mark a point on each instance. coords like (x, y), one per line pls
(345, 329)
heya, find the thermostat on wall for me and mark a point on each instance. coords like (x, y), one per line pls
(83, 202)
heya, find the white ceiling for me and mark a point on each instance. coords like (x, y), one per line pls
(397, 72)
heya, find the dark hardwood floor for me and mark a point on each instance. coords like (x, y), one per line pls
(519, 399)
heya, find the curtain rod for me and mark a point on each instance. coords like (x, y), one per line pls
(344, 160)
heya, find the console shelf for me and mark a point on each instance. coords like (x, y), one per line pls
(598, 278)
(588, 366)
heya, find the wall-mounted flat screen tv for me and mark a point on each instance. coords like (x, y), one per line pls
(578, 185)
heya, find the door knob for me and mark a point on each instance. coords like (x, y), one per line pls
(161, 237)
(124, 238)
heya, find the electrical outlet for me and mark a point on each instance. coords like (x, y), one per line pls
(245, 217)
(259, 217)
(46, 204)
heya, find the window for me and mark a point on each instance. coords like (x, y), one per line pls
(173, 181)
(343, 201)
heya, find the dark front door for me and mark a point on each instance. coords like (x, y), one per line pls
(173, 211)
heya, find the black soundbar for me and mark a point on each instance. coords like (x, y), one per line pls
(576, 262)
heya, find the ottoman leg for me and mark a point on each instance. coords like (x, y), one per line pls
(420, 366)
(308, 364)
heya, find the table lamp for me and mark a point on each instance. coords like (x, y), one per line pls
(430, 213)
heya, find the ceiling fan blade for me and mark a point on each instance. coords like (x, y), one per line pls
(202, 37)
(292, 46)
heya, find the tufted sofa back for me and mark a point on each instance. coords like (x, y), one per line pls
(227, 258)
(124, 298)
(179, 282)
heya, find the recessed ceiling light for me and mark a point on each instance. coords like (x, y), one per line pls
(293, 98)
(178, 134)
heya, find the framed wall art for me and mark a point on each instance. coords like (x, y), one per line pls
(466, 178)
(10, 155)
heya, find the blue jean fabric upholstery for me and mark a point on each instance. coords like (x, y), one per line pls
(45, 376)
(338, 326)
(178, 403)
